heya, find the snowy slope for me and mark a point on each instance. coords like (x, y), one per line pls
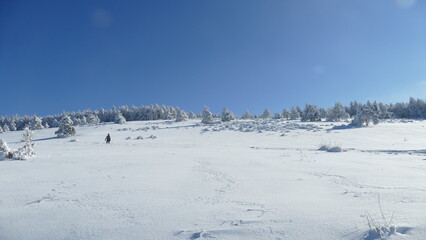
(239, 180)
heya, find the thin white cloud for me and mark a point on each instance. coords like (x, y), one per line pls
(405, 3)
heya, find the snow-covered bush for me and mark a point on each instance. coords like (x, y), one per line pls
(206, 116)
(227, 115)
(65, 127)
(181, 115)
(337, 113)
(266, 114)
(310, 114)
(365, 114)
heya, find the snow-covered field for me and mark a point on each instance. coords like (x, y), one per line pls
(238, 180)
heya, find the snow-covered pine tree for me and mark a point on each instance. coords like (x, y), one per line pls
(27, 150)
(286, 114)
(247, 115)
(277, 116)
(6, 128)
(3, 146)
(192, 115)
(119, 118)
(27, 135)
(206, 116)
(294, 114)
(266, 114)
(181, 115)
(227, 115)
(65, 127)
(1, 130)
(310, 114)
(365, 114)
(337, 113)
(46, 125)
(36, 123)
(92, 119)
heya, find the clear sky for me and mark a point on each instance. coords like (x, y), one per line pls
(61, 55)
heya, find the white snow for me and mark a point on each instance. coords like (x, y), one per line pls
(245, 179)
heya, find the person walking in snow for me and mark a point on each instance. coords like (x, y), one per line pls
(108, 138)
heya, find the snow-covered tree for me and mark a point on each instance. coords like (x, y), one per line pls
(247, 115)
(277, 116)
(294, 114)
(27, 135)
(227, 115)
(46, 125)
(119, 118)
(181, 115)
(192, 115)
(1, 130)
(206, 116)
(92, 119)
(6, 128)
(310, 113)
(337, 113)
(3, 146)
(286, 114)
(266, 113)
(65, 127)
(365, 114)
(36, 123)
(27, 150)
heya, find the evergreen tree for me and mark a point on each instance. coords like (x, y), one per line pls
(310, 113)
(65, 127)
(247, 115)
(227, 115)
(266, 113)
(337, 113)
(181, 115)
(206, 116)
(365, 114)
(294, 114)
(286, 114)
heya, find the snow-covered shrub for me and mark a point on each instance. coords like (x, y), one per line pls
(310, 114)
(227, 115)
(65, 127)
(206, 116)
(337, 113)
(36, 123)
(365, 114)
(247, 115)
(181, 115)
(266, 114)
(380, 227)
(27, 150)
(330, 147)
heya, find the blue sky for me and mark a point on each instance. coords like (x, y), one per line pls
(243, 54)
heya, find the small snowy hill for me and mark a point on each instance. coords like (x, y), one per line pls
(264, 179)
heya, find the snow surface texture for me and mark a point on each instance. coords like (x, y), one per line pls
(245, 179)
